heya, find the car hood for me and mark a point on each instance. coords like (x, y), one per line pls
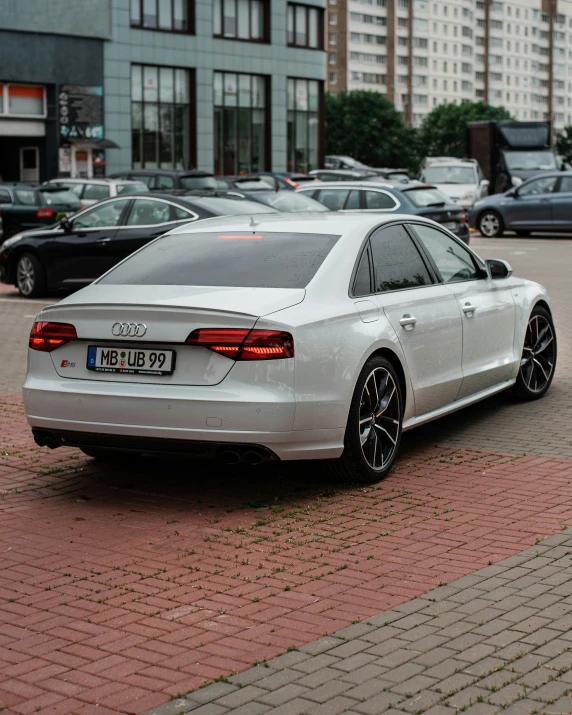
(32, 233)
(456, 191)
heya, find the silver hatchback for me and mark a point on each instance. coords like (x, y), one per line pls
(90, 191)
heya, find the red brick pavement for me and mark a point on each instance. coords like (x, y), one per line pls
(124, 586)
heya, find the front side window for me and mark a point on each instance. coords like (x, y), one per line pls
(240, 123)
(305, 26)
(259, 260)
(538, 186)
(101, 216)
(303, 124)
(241, 20)
(160, 117)
(96, 192)
(396, 260)
(147, 212)
(166, 15)
(454, 262)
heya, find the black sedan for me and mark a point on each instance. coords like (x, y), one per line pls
(77, 250)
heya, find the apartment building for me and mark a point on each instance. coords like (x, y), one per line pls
(96, 86)
(421, 53)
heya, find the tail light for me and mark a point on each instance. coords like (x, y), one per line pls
(245, 344)
(45, 213)
(82, 207)
(49, 336)
(292, 183)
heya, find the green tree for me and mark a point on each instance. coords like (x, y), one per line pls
(443, 132)
(564, 144)
(366, 126)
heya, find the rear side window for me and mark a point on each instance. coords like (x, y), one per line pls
(249, 260)
(397, 262)
(362, 281)
(334, 199)
(5, 197)
(379, 200)
(27, 197)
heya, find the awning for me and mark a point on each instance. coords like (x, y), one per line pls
(93, 143)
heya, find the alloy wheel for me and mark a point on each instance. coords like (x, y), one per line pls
(26, 275)
(489, 225)
(538, 355)
(379, 419)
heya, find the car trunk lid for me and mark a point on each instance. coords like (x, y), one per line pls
(168, 315)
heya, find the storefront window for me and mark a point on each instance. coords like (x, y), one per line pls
(160, 117)
(303, 124)
(22, 100)
(241, 126)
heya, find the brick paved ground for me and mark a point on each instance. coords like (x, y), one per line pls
(122, 587)
(497, 641)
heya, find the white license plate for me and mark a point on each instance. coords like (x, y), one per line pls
(449, 224)
(130, 361)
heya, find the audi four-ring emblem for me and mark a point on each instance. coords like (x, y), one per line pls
(129, 330)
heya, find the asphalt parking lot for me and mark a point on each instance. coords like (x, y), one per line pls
(126, 586)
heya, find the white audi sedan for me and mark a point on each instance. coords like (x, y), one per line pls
(284, 337)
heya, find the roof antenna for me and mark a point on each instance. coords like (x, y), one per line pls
(253, 222)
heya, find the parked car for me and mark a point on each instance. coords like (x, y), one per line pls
(169, 179)
(90, 191)
(543, 203)
(287, 180)
(462, 181)
(338, 161)
(392, 175)
(25, 207)
(288, 201)
(77, 250)
(343, 174)
(414, 198)
(291, 339)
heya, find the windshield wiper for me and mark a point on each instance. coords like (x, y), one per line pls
(439, 203)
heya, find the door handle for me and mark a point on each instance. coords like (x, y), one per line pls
(469, 309)
(103, 240)
(407, 321)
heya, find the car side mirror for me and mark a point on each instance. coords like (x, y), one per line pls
(498, 269)
(513, 193)
(66, 225)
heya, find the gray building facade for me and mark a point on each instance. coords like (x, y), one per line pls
(98, 86)
(247, 84)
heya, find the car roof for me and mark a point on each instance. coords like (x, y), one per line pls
(460, 162)
(18, 185)
(165, 172)
(99, 180)
(323, 222)
(350, 185)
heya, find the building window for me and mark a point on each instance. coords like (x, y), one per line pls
(332, 58)
(160, 117)
(242, 20)
(165, 15)
(241, 130)
(303, 124)
(305, 26)
(333, 38)
(22, 100)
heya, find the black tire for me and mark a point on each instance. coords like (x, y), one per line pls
(490, 224)
(30, 276)
(353, 465)
(538, 361)
(523, 234)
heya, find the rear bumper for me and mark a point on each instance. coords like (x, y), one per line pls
(180, 419)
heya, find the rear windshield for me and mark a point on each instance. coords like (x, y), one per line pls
(198, 182)
(229, 207)
(62, 196)
(427, 197)
(248, 260)
(134, 188)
